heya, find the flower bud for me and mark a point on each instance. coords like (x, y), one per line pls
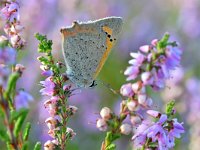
(71, 133)
(144, 48)
(49, 145)
(126, 90)
(142, 99)
(73, 109)
(101, 125)
(125, 129)
(19, 68)
(51, 123)
(154, 113)
(105, 113)
(154, 42)
(135, 120)
(131, 105)
(149, 102)
(14, 39)
(136, 87)
(147, 78)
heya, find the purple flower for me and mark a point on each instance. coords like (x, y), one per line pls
(47, 73)
(162, 133)
(7, 55)
(10, 12)
(173, 57)
(154, 65)
(49, 86)
(22, 99)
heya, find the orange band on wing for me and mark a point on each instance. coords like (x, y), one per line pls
(109, 46)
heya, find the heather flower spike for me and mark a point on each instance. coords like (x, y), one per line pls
(14, 101)
(58, 92)
(150, 67)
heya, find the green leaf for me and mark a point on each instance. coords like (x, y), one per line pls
(163, 42)
(25, 145)
(27, 131)
(16, 114)
(9, 146)
(38, 146)
(45, 45)
(116, 136)
(19, 122)
(12, 82)
(170, 108)
(153, 145)
(4, 136)
(111, 147)
(43, 60)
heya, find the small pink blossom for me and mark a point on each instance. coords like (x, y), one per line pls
(145, 48)
(126, 90)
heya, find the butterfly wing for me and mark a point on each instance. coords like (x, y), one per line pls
(86, 47)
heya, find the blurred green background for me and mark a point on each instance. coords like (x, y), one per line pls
(143, 21)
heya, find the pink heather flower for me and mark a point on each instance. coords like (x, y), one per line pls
(132, 72)
(49, 145)
(142, 99)
(16, 28)
(7, 55)
(132, 105)
(73, 109)
(22, 99)
(105, 113)
(10, 12)
(125, 129)
(51, 105)
(101, 125)
(51, 123)
(49, 86)
(17, 41)
(154, 42)
(147, 78)
(67, 87)
(144, 48)
(138, 59)
(135, 120)
(71, 133)
(126, 90)
(153, 113)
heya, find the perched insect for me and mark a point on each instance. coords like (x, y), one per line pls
(86, 46)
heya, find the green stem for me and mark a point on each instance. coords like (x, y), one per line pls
(13, 141)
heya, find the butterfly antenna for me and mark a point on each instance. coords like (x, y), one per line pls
(107, 85)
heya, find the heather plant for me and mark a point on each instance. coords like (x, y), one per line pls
(150, 67)
(13, 99)
(57, 89)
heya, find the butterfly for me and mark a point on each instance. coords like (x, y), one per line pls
(86, 46)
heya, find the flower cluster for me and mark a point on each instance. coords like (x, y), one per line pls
(55, 87)
(13, 28)
(150, 66)
(160, 134)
